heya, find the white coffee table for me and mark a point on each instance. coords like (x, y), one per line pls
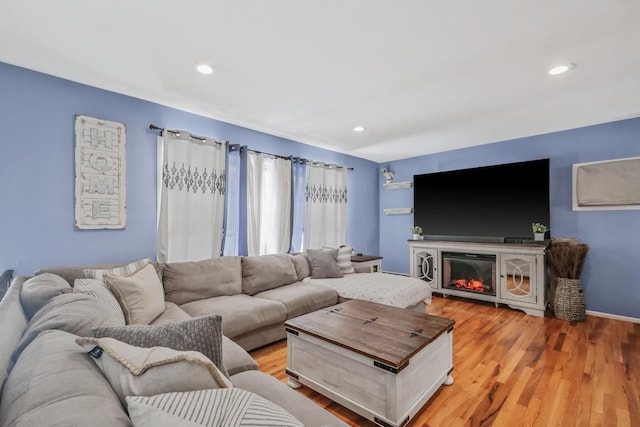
(381, 362)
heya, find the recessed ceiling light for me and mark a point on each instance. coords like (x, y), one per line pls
(561, 69)
(359, 128)
(205, 69)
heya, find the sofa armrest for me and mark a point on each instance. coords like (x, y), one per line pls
(14, 322)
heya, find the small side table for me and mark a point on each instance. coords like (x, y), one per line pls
(374, 263)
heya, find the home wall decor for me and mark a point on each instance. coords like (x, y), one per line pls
(100, 180)
(607, 185)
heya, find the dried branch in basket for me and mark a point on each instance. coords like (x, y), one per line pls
(568, 260)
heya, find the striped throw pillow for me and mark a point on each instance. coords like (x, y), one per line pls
(229, 407)
(126, 270)
(99, 290)
(344, 259)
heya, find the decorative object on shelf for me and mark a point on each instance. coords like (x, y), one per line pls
(100, 174)
(567, 260)
(398, 185)
(398, 211)
(388, 175)
(417, 231)
(539, 230)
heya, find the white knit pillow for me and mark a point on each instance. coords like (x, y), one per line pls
(344, 258)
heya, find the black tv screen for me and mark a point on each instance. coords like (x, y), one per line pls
(492, 202)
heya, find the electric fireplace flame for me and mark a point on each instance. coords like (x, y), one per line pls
(469, 272)
(470, 285)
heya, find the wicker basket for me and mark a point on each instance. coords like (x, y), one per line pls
(568, 303)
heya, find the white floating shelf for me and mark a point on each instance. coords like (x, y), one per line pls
(397, 185)
(398, 211)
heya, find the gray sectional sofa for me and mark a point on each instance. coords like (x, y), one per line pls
(48, 379)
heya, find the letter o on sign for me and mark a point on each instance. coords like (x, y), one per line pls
(101, 162)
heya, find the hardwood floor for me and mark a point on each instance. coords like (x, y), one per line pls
(511, 369)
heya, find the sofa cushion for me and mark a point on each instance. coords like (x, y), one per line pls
(75, 313)
(54, 383)
(171, 313)
(240, 313)
(324, 264)
(303, 268)
(190, 281)
(307, 411)
(38, 290)
(301, 298)
(134, 371)
(140, 294)
(234, 358)
(72, 272)
(229, 407)
(101, 291)
(263, 272)
(202, 334)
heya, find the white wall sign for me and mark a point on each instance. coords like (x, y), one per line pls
(100, 174)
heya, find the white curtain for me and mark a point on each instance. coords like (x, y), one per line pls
(326, 206)
(232, 218)
(268, 204)
(191, 187)
(299, 169)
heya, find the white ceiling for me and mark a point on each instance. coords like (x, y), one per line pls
(422, 76)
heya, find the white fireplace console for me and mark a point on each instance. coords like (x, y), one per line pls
(520, 280)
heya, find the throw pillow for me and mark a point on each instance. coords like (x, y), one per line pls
(125, 270)
(324, 264)
(229, 407)
(147, 371)
(344, 258)
(99, 290)
(38, 290)
(202, 334)
(140, 295)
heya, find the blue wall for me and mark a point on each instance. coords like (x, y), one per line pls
(610, 277)
(37, 172)
(37, 184)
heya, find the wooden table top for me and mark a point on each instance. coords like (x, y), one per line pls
(364, 258)
(384, 333)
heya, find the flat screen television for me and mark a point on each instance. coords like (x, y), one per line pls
(492, 203)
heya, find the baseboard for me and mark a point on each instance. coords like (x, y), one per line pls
(613, 316)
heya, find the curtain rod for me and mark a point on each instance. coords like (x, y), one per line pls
(177, 133)
(293, 158)
(244, 147)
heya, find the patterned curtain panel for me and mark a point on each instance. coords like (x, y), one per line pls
(191, 188)
(268, 204)
(326, 208)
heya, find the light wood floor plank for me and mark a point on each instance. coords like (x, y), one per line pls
(511, 369)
